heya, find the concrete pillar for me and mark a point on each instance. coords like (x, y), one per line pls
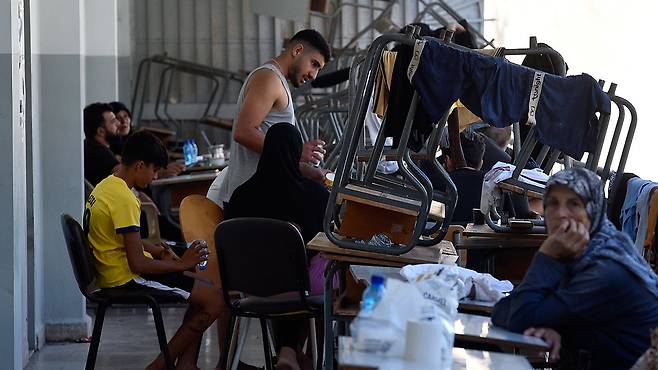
(58, 96)
(125, 46)
(13, 221)
(100, 50)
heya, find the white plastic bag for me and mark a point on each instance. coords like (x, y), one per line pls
(432, 298)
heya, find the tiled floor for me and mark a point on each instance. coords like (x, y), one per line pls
(129, 342)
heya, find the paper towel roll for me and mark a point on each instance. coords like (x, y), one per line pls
(426, 342)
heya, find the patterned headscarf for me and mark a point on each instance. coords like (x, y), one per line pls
(588, 186)
(606, 242)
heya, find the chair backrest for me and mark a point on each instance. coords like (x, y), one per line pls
(152, 223)
(261, 257)
(199, 216)
(79, 253)
(88, 189)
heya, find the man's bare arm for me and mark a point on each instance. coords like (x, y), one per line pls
(262, 93)
(456, 152)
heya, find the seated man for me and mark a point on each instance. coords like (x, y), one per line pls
(100, 125)
(467, 178)
(587, 282)
(465, 174)
(123, 260)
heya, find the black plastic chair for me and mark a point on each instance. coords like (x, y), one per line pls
(85, 274)
(261, 258)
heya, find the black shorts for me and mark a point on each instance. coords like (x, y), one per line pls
(174, 282)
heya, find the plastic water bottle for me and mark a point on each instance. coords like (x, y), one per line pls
(203, 265)
(370, 334)
(195, 150)
(188, 153)
(372, 295)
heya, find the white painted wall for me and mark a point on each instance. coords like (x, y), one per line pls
(13, 215)
(100, 50)
(610, 40)
(58, 90)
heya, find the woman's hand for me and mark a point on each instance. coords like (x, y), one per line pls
(313, 173)
(551, 337)
(313, 152)
(566, 241)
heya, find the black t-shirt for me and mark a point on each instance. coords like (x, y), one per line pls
(469, 191)
(99, 161)
(493, 154)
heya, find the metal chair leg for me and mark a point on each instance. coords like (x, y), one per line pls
(242, 339)
(314, 343)
(234, 338)
(272, 342)
(96, 336)
(162, 336)
(224, 356)
(266, 345)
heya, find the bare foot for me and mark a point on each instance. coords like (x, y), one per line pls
(157, 364)
(287, 360)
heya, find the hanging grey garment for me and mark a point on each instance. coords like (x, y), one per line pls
(243, 161)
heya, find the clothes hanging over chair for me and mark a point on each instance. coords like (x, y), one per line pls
(501, 93)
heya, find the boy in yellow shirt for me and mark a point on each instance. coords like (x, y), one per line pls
(123, 260)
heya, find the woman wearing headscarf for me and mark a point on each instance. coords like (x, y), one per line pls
(586, 282)
(125, 130)
(278, 190)
(125, 126)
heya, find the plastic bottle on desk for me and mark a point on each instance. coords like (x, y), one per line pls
(195, 150)
(370, 334)
(372, 295)
(188, 153)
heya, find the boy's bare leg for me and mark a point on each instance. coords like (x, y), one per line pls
(209, 305)
(189, 355)
(211, 273)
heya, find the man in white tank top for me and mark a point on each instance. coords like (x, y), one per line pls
(264, 100)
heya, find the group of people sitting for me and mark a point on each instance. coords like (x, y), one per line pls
(272, 174)
(587, 292)
(107, 127)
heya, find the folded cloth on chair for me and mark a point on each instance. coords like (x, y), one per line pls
(501, 172)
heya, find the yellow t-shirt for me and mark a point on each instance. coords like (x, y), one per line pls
(111, 210)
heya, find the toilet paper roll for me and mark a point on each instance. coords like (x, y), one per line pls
(426, 342)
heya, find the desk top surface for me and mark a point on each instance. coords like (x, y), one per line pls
(197, 169)
(182, 179)
(417, 255)
(479, 329)
(486, 231)
(461, 359)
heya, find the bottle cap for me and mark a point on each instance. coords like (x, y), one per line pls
(377, 280)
